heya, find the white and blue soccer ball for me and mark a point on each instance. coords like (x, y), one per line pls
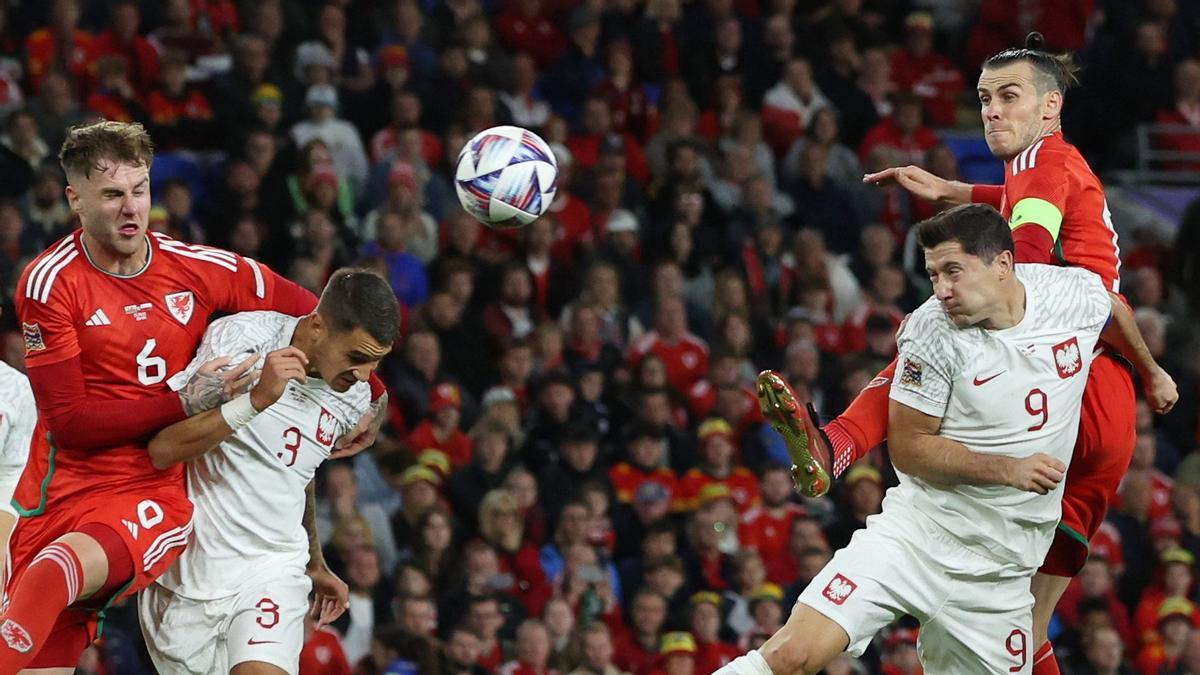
(506, 177)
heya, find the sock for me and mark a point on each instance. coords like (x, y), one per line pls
(48, 586)
(120, 565)
(1044, 662)
(752, 663)
(863, 425)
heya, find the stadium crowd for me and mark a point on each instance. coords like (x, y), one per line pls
(574, 475)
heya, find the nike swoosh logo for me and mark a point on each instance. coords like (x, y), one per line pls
(252, 641)
(982, 381)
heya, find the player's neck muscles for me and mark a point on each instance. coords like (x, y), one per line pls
(112, 262)
(1010, 309)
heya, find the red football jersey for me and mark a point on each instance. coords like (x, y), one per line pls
(133, 332)
(742, 484)
(770, 536)
(686, 359)
(1055, 177)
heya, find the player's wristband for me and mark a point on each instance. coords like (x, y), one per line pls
(239, 412)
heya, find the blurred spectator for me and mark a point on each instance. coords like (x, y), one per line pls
(657, 44)
(705, 625)
(469, 485)
(406, 272)
(345, 145)
(638, 648)
(718, 466)
(370, 603)
(789, 106)
(595, 651)
(61, 46)
(1185, 113)
(903, 130)
(500, 525)
(1176, 620)
(767, 528)
(525, 27)
(114, 97)
(180, 114)
(322, 653)
(532, 651)
(633, 111)
(461, 653)
(339, 508)
(524, 99)
(513, 315)
(921, 70)
(677, 655)
(123, 40)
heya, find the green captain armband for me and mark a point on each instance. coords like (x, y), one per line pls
(1040, 211)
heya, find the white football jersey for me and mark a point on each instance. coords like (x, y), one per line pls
(249, 491)
(1012, 392)
(18, 416)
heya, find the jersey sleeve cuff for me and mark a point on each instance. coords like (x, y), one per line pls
(917, 401)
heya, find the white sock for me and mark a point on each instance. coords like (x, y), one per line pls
(751, 664)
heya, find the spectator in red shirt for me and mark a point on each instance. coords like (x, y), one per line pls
(717, 466)
(637, 648)
(705, 623)
(598, 135)
(1185, 113)
(123, 40)
(632, 109)
(767, 527)
(513, 316)
(677, 655)
(712, 567)
(647, 449)
(1176, 620)
(180, 115)
(440, 431)
(1175, 582)
(322, 653)
(46, 51)
(933, 77)
(900, 655)
(501, 526)
(114, 98)
(902, 130)
(684, 354)
(524, 27)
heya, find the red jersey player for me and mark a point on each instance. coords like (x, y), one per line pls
(1057, 210)
(108, 313)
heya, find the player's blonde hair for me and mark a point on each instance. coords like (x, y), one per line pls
(87, 145)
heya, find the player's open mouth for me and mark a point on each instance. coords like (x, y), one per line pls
(128, 229)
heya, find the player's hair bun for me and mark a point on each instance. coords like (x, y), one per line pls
(1035, 40)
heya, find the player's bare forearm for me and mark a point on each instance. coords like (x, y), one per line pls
(1123, 335)
(189, 439)
(917, 449)
(316, 557)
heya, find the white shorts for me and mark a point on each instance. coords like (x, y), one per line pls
(263, 622)
(11, 469)
(976, 613)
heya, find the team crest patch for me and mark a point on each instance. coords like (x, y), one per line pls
(33, 337)
(912, 372)
(180, 305)
(1067, 358)
(15, 636)
(838, 589)
(325, 425)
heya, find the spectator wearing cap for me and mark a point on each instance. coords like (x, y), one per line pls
(500, 525)
(900, 653)
(1176, 620)
(1176, 579)
(918, 68)
(766, 609)
(180, 114)
(420, 491)
(59, 46)
(862, 496)
(441, 430)
(577, 462)
(704, 621)
(718, 466)
(345, 145)
(647, 457)
(525, 27)
(406, 195)
(638, 645)
(267, 102)
(766, 528)
(677, 655)
(315, 184)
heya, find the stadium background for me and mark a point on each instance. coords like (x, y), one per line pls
(710, 222)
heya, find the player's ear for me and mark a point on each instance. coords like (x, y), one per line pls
(1052, 105)
(72, 198)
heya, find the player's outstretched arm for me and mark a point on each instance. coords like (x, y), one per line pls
(187, 440)
(918, 450)
(923, 184)
(332, 594)
(1123, 334)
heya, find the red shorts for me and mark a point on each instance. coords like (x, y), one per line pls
(1103, 451)
(153, 524)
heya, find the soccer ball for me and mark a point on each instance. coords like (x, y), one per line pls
(506, 177)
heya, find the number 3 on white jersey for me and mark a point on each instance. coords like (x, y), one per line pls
(151, 369)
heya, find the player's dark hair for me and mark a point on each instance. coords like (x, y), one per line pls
(87, 145)
(1058, 71)
(356, 298)
(978, 228)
